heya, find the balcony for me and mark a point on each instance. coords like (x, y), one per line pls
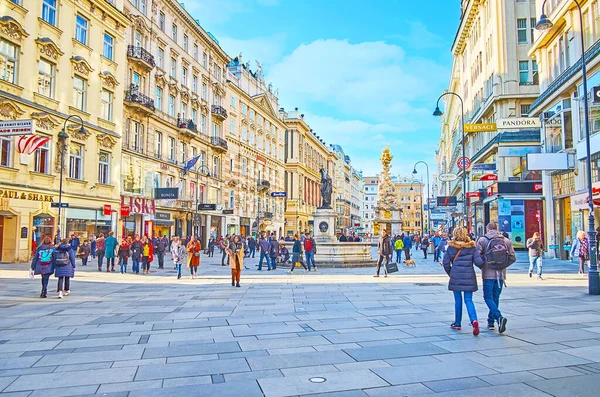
(219, 144)
(219, 112)
(263, 185)
(140, 56)
(187, 127)
(135, 99)
(265, 215)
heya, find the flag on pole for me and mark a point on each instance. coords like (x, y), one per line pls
(29, 144)
(190, 164)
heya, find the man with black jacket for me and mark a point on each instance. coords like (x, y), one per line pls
(384, 249)
(162, 243)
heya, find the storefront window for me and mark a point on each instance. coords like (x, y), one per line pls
(87, 222)
(129, 226)
(563, 184)
(44, 227)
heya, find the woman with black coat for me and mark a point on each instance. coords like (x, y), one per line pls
(42, 263)
(459, 261)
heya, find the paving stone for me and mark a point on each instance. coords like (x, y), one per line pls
(243, 376)
(401, 390)
(455, 384)
(283, 343)
(298, 360)
(6, 380)
(394, 351)
(432, 371)
(581, 386)
(510, 378)
(179, 370)
(192, 380)
(82, 378)
(561, 372)
(136, 363)
(84, 358)
(192, 349)
(64, 391)
(516, 390)
(476, 344)
(366, 336)
(79, 367)
(352, 393)
(187, 359)
(74, 344)
(309, 371)
(590, 353)
(127, 386)
(227, 389)
(530, 361)
(298, 385)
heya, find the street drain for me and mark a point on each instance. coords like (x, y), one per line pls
(317, 379)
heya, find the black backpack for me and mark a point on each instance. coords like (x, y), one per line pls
(496, 253)
(61, 258)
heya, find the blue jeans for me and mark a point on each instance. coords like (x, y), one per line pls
(135, 265)
(100, 258)
(491, 294)
(123, 263)
(458, 301)
(252, 251)
(436, 254)
(399, 255)
(273, 262)
(260, 262)
(535, 260)
(310, 259)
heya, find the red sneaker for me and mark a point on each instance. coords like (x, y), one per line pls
(455, 326)
(475, 328)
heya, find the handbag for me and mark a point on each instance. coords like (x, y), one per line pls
(197, 254)
(391, 266)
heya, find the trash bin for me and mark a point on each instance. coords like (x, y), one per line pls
(430, 250)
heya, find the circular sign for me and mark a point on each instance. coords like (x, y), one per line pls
(463, 163)
(323, 226)
(447, 177)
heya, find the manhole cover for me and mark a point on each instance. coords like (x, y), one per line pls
(317, 379)
(428, 284)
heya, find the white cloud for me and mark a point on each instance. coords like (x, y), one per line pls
(418, 36)
(267, 50)
(214, 12)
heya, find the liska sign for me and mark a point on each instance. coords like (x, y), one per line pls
(139, 205)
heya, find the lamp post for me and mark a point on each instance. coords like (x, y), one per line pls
(207, 174)
(421, 198)
(428, 198)
(437, 112)
(62, 137)
(593, 280)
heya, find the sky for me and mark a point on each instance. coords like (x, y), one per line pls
(366, 74)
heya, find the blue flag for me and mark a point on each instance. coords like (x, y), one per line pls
(190, 164)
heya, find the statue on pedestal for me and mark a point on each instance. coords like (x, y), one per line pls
(326, 189)
(387, 209)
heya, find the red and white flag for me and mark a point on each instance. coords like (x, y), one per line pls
(30, 143)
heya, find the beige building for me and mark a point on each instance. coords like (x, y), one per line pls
(60, 59)
(175, 92)
(497, 80)
(357, 190)
(305, 154)
(343, 192)
(411, 202)
(254, 166)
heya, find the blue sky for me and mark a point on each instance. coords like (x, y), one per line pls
(364, 73)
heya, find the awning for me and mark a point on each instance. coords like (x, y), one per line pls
(513, 197)
(163, 223)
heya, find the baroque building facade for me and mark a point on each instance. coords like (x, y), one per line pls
(60, 58)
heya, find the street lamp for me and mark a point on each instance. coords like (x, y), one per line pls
(437, 112)
(421, 198)
(207, 174)
(62, 137)
(428, 198)
(593, 280)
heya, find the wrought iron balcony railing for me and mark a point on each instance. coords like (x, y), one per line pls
(219, 142)
(134, 95)
(188, 124)
(219, 111)
(140, 53)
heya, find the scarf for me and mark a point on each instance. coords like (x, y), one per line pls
(584, 247)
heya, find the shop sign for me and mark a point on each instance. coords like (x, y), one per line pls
(24, 232)
(59, 205)
(166, 193)
(107, 209)
(518, 151)
(463, 163)
(579, 202)
(447, 177)
(163, 216)
(485, 177)
(207, 207)
(490, 191)
(519, 122)
(125, 211)
(519, 187)
(484, 167)
(231, 220)
(245, 221)
(16, 127)
(446, 201)
(164, 166)
(473, 194)
(481, 127)
(538, 187)
(139, 205)
(227, 212)
(15, 194)
(278, 194)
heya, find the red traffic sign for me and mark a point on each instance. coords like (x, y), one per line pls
(473, 194)
(463, 163)
(125, 210)
(107, 209)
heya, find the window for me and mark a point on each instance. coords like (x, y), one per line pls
(79, 93)
(106, 100)
(46, 78)
(244, 133)
(203, 124)
(244, 166)
(216, 130)
(231, 198)
(107, 50)
(194, 116)
(204, 90)
(251, 114)
(525, 110)
(183, 109)
(233, 101)
(159, 140)
(174, 32)
(231, 164)
(532, 23)
(6, 151)
(9, 53)
(173, 68)
(104, 168)
(523, 72)
(76, 161)
(185, 42)
(260, 142)
(195, 84)
(215, 166)
(232, 126)
(534, 72)
(522, 30)
(161, 58)
(140, 5)
(183, 153)
(42, 159)
(49, 11)
(81, 29)
(195, 51)
(204, 60)
(171, 149)
(171, 106)
(161, 21)
(251, 138)
(184, 73)
(244, 109)
(596, 20)
(159, 96)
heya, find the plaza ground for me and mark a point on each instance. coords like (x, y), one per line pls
(354, 335)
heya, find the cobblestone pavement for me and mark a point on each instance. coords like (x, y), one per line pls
(351, 334)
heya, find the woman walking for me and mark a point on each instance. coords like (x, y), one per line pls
(581, 250)
(193, 260)
(536, 248)
(425, 246)
(84, 252)
(297, 254)
(211, 247)
(458, 261)
(42, 263)
(64, 267)
(235, 250)
(147, 254)
(124, 253)
(93, 246)
(179, 253)
(136, 254)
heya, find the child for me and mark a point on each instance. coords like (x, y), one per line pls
(179, 252)
(123, 253)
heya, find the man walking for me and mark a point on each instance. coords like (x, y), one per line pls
(100, 250)
(273, 251)
(407, 246)
(384, 250)
(310, 249)
(399, 246)
(536, 248)
(161, 247)
(436, 243)
(251, 242)
(498, 253)
(297, 254)
(264, 247)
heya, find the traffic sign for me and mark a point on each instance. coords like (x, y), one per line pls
(59, 205)
(278, 194)
(463, 163)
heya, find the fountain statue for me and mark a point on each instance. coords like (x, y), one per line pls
(387, 212)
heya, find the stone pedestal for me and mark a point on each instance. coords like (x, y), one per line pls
(324, 229)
